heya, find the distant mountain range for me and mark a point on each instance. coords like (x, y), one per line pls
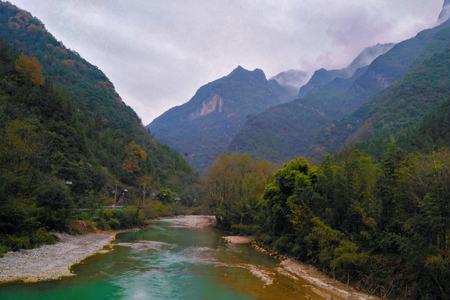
(333, 109)
(318, 122)
(203, 127)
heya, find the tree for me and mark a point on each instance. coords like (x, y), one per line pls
(133, 161)
(30, 67)
(166, 196)
(234, 185)
(424, 182)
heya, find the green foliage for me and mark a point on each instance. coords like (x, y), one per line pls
(166, 196)
(234, 185)
(113, 219)
(383, 226)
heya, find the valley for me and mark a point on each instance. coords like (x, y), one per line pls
(329, 180)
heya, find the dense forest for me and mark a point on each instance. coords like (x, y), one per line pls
(382, 225)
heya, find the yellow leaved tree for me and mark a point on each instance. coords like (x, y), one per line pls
(30, 67)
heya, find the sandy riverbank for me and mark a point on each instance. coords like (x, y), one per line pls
(296, 270)
(52, 261)
(238, 240)
(324, 285)
(192, 221)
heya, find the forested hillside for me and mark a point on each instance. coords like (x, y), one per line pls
(114, 123)
(66, 137)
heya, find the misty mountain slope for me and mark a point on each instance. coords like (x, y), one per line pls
(424, 90)
(111, 124)
(333, 101)
(203, 127)
(284, 131)
(322, 77)
(292, 80)
(289, 130)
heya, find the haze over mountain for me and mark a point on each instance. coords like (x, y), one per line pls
(445, 13)
(288, 130)
(366, 57)
(291, 129)
(421, 91)
(147, 48)
(203, 127)
(293, 80)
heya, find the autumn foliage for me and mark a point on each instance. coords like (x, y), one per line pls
(134, 155)
(30, 67)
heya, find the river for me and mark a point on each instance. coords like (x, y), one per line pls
(170, 261)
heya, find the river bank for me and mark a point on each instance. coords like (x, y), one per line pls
(296, 270)
(174, 247)
(53, 261)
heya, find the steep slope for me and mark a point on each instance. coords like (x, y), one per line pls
(289, 129)
(322, 77)
(111, 126)
(203, 127)
(424, 92)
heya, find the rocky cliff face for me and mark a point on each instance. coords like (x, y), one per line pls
(203, 127)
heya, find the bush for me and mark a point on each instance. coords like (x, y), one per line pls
(114, 224)
(3, 250)
(42, 236)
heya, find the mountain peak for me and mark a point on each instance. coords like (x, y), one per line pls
(241, 72)
(445, 12)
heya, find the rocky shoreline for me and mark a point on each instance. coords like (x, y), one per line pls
(54, 261)
(296, 270)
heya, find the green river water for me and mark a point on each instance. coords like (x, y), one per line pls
(166, 261)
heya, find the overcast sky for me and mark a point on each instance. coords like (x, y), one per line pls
(159, 52)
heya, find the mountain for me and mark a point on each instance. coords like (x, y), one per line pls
(365, 58)
(66, 137)
(290, 129)
(203, 127)
(400, 108)
(292, 80)
(115, 124)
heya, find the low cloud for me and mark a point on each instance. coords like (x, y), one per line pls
(157, 53)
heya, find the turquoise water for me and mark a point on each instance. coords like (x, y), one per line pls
(169, 262)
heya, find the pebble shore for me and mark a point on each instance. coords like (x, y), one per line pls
(54, 261)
